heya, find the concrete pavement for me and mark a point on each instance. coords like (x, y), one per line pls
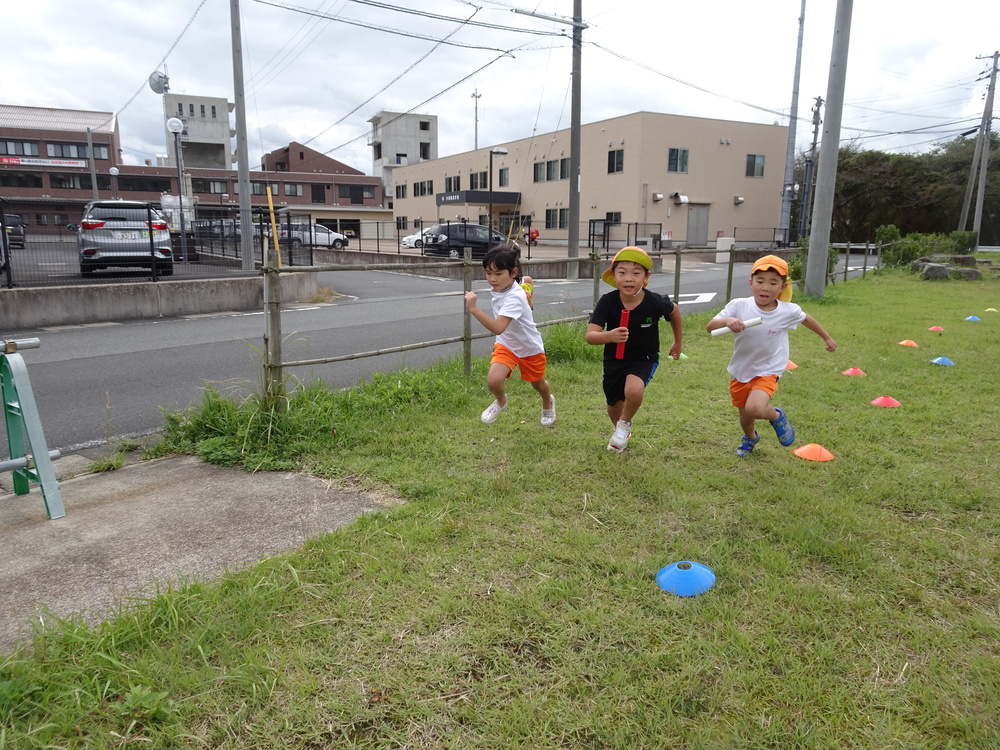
(150, 522)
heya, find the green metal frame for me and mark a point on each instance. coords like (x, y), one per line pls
(24, 434)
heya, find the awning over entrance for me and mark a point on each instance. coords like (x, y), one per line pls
(478, 198)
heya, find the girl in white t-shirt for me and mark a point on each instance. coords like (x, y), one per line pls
(518, 342)
(760, 353)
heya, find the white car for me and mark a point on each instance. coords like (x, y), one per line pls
(413, 240)
(317, 234)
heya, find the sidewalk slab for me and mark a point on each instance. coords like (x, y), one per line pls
(152, 522)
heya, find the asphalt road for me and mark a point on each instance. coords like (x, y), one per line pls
(95, 382)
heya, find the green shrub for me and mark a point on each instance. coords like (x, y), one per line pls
(964, 242)
(797, 263)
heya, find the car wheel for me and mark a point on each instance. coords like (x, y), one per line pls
(338, 244)
(418, 243)
(296, 243)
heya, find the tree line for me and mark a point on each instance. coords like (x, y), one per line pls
(915, 192)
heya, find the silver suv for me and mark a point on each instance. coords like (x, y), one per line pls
(121, 234)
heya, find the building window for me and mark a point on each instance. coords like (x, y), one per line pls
(423, 188)
(60, 220)
(401, 191)
(213, 111)
(453, 184)
(41, 219)
(616, 161)
(425, 151)
(356, 194)
(215, 187)
(564, 169)
(294, 188)
(70, 181)
(191, 109)
(260, 188)
(18, 148)
(478, 181)
(677, 160)
(318, 193)
(539, 175)
(401, 222)
(20, 179)
(377, 152)
(202, 110)
(563, 218)
(425, 125)
(613, 217)
(504, 177)
(74, 151)
(755, 165)
(180, 109)
(552, 170)
(144, 184)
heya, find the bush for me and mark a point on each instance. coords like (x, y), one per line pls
(902, 252)
(797, 262)
(964, 242)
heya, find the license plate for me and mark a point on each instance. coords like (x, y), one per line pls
(126, 235)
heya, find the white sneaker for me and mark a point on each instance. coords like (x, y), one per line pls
(620, 437)
(492, 412)
(549, 415)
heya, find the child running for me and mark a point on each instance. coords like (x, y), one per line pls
(760, 353)
(518, 342)
(632, 346)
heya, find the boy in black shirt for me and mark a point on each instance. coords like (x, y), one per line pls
(631, 343)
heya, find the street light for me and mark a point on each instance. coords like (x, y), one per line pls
(501, 151)
(175, 126)
(114, 181)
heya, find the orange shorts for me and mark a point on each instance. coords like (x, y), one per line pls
(741, 391)
(532, 368)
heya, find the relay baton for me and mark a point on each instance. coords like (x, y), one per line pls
(623, 323)
(746, 323)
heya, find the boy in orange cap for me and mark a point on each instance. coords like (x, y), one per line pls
(760, 353)
(632, 349)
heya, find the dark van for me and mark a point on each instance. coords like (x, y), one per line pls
(14, 228)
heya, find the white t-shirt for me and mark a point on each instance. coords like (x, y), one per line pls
(522, 336)
(761, 350)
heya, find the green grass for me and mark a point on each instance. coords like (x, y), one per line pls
(511, 603)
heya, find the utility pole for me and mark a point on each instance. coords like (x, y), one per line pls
(819, 237)
(476, 95)
(805, 201)
(788, 190)
(573, 235)
(982, 155)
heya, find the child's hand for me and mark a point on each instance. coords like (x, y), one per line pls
(831, 345)
(618, 335)
(675, 350)
(470, 300)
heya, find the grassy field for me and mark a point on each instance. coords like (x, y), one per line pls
(511, 601)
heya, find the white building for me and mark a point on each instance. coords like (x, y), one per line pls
(399, 139)
(207, 135)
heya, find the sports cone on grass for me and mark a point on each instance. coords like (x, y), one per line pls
(853, 371)
(887, 401)
(813, 452)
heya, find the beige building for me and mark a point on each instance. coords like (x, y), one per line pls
(692, 179)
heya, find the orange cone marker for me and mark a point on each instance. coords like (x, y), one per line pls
(813, 452)
(791, 365)
(908, 342)
(853, 371)
(935, 328)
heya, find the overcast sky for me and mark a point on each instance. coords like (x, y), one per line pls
(318, 76)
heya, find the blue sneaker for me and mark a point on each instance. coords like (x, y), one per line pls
(746, 447)
(785, 432)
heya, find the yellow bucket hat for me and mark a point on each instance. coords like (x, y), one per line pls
(633, 254)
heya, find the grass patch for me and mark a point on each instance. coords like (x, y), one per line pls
(512, 603)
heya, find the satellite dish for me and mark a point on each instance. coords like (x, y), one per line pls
(159, 82)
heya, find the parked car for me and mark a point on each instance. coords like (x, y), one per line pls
(413, 240)
(122, 234)
(14, 228)
(450, 239)
(316, 234)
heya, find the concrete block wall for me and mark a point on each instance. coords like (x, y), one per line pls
(24, 308)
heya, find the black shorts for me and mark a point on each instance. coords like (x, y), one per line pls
(615, 375)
